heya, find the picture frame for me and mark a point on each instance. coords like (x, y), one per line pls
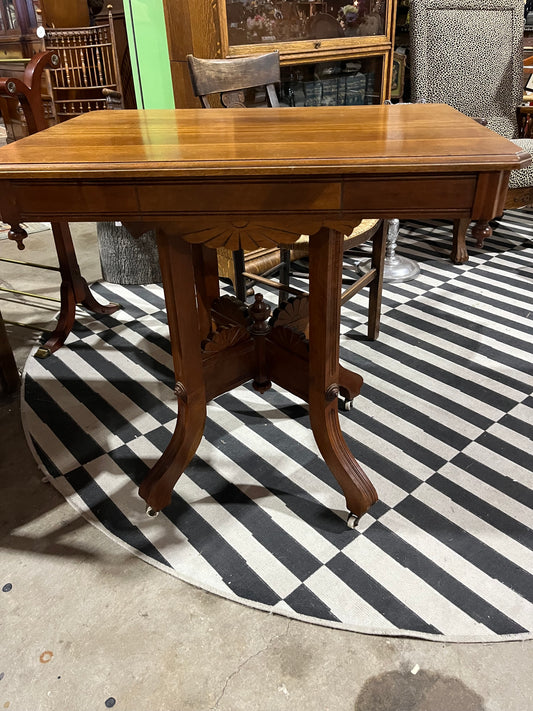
(398, 75)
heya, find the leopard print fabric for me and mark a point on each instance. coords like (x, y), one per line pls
(468, 54)
(522, 178)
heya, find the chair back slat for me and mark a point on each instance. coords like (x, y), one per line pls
(226, 76)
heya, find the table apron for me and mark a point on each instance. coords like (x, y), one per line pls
(479, 196)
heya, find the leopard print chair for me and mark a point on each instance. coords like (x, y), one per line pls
(468, 54)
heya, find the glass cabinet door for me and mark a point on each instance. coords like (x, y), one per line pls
(260, 21)
(8, 16)
(348, 82)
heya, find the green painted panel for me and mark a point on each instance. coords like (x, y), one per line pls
(147, 40)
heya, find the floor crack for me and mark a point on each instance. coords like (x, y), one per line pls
(245, 662)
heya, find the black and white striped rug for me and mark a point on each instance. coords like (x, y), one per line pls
(443, 427)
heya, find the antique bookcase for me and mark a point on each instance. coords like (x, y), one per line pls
(330, 52)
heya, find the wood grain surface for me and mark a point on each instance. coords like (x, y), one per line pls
(409, 137)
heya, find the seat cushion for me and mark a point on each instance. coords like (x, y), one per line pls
(522, 178)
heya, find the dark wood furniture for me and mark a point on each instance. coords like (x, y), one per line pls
(9, 376)
(88, 66)
(74, 289)
(19, 21)
(17, 28)
(13, 117)
(228, 177)
(26, 90)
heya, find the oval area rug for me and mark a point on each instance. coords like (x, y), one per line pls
(442, 427)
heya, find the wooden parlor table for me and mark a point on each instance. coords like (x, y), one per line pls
(257, 178)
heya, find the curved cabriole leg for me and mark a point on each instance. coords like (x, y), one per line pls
(459, 253)
(177, 271)
(325, 274)
(65, 321)
(74, 290)
(90, 303)
(156, 488)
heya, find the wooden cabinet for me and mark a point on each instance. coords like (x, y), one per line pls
(18, 42)
(19, 20)
(330, 52)
(58, 13)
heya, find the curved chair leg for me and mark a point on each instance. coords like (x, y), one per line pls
(74, 290)
(459, 253)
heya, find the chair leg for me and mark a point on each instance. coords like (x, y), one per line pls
(379, 244)
(239, 282)
(284, 273)
(459, 253)
(74, 290)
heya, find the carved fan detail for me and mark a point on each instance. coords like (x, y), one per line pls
(228, 309)
(242, 233)
(290, 340)
(294, 314)
(225, 338)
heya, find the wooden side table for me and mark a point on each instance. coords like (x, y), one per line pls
(252, 179)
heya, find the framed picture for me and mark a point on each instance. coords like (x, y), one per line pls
(398, 75)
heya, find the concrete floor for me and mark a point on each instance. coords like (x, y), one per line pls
(87, 626)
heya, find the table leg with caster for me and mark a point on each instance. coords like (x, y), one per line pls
(184, 325)
(325, 267)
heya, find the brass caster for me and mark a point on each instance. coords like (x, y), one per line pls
(352, 520)
(151, 512)
(42, 352)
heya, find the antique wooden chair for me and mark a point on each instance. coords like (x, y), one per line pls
(74, 289)
(251, 81)
(469, 55)
(88, 65)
